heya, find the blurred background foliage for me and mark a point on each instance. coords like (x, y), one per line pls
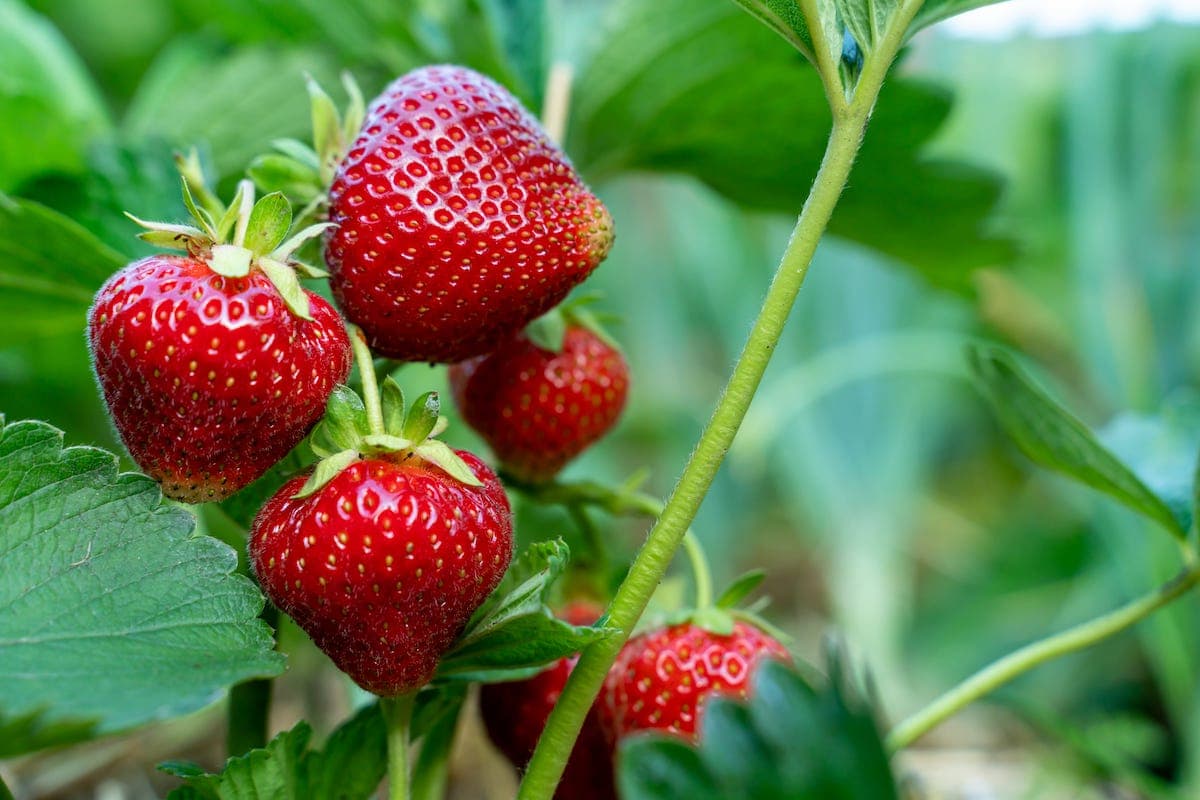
(1043, 193)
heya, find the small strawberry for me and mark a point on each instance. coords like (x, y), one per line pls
(662, 678)
(216, 363)
(539, 407)
(383, 553)
(458, 220)
(515, 714)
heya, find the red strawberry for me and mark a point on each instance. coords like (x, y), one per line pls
(384, 564)
(458, 221)
(212, 377)
(662, 678)
(515, 714)
(538, 409)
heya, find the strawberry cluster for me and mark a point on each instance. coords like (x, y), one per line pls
(449, 222)
(453, 228)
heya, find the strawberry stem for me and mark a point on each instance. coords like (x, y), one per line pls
(850, 117)
(701, 574)
(397, 713)
(370, 386)
(1000, 672)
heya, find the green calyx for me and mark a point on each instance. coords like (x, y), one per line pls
(303, 172)
(235, 239)
(382, 427)
(550, 330)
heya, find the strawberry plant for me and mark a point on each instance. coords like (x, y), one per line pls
(303, 512)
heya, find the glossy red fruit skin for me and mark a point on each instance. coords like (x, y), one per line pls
(210, 380)
(514, 715)
(458, 221)
(662, 678)
(538, 409)
(384, 565)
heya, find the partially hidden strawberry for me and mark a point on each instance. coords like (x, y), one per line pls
(383, 553)
(662, 678)
(458, 220)
(538, 407)
(515, 713)
(214, 364)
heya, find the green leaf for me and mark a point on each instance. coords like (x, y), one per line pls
(421, 417)
(1161, 450)
(50, 268)
(326, 470)
(785, 18)
(697, 87)
(1053, 438)
(50, 107)
(350, 767)
(344, 425)
(441, 455)
(742, 586)
(548, 331)
(791, 741)
(35, 731)
(195, 93)
(269, 223)
(934, 11)
(504, 39)
(517, 634)
(392, 404)
(285, 280)
(230, 260)
(111, 609)
(867, 20)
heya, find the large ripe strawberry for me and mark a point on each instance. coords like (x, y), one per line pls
(385, 551)
(458, 220)
(515, 714)
(216, 363)
(538, 408)
(662, 678)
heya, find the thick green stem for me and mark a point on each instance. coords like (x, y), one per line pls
(1021, 661)
(664, 538)
(370, 384)
(250, 706)
(397, 713)
(849, 124)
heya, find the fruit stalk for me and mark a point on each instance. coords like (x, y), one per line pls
(397, 713)
(1017, 663)
(250, 706)
(849, 124)
(370, 384)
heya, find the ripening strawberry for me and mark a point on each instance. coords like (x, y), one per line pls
(515, 714)
(538, 408)
(662, 678)
(384, 552)
(216, 363)
(457, 220)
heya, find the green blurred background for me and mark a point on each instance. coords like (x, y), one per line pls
(1057, 210)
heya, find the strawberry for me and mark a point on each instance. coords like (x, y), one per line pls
(539, 408)
(458, 221)
(662, 678)
(515, 714)
(216, 363)
(386, 549)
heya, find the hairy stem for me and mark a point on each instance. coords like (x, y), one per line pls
(250, 706)
(849, 124)
(397, 713)
(701, 574)
(665, 536)
(370, 384)
(1032, 655)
